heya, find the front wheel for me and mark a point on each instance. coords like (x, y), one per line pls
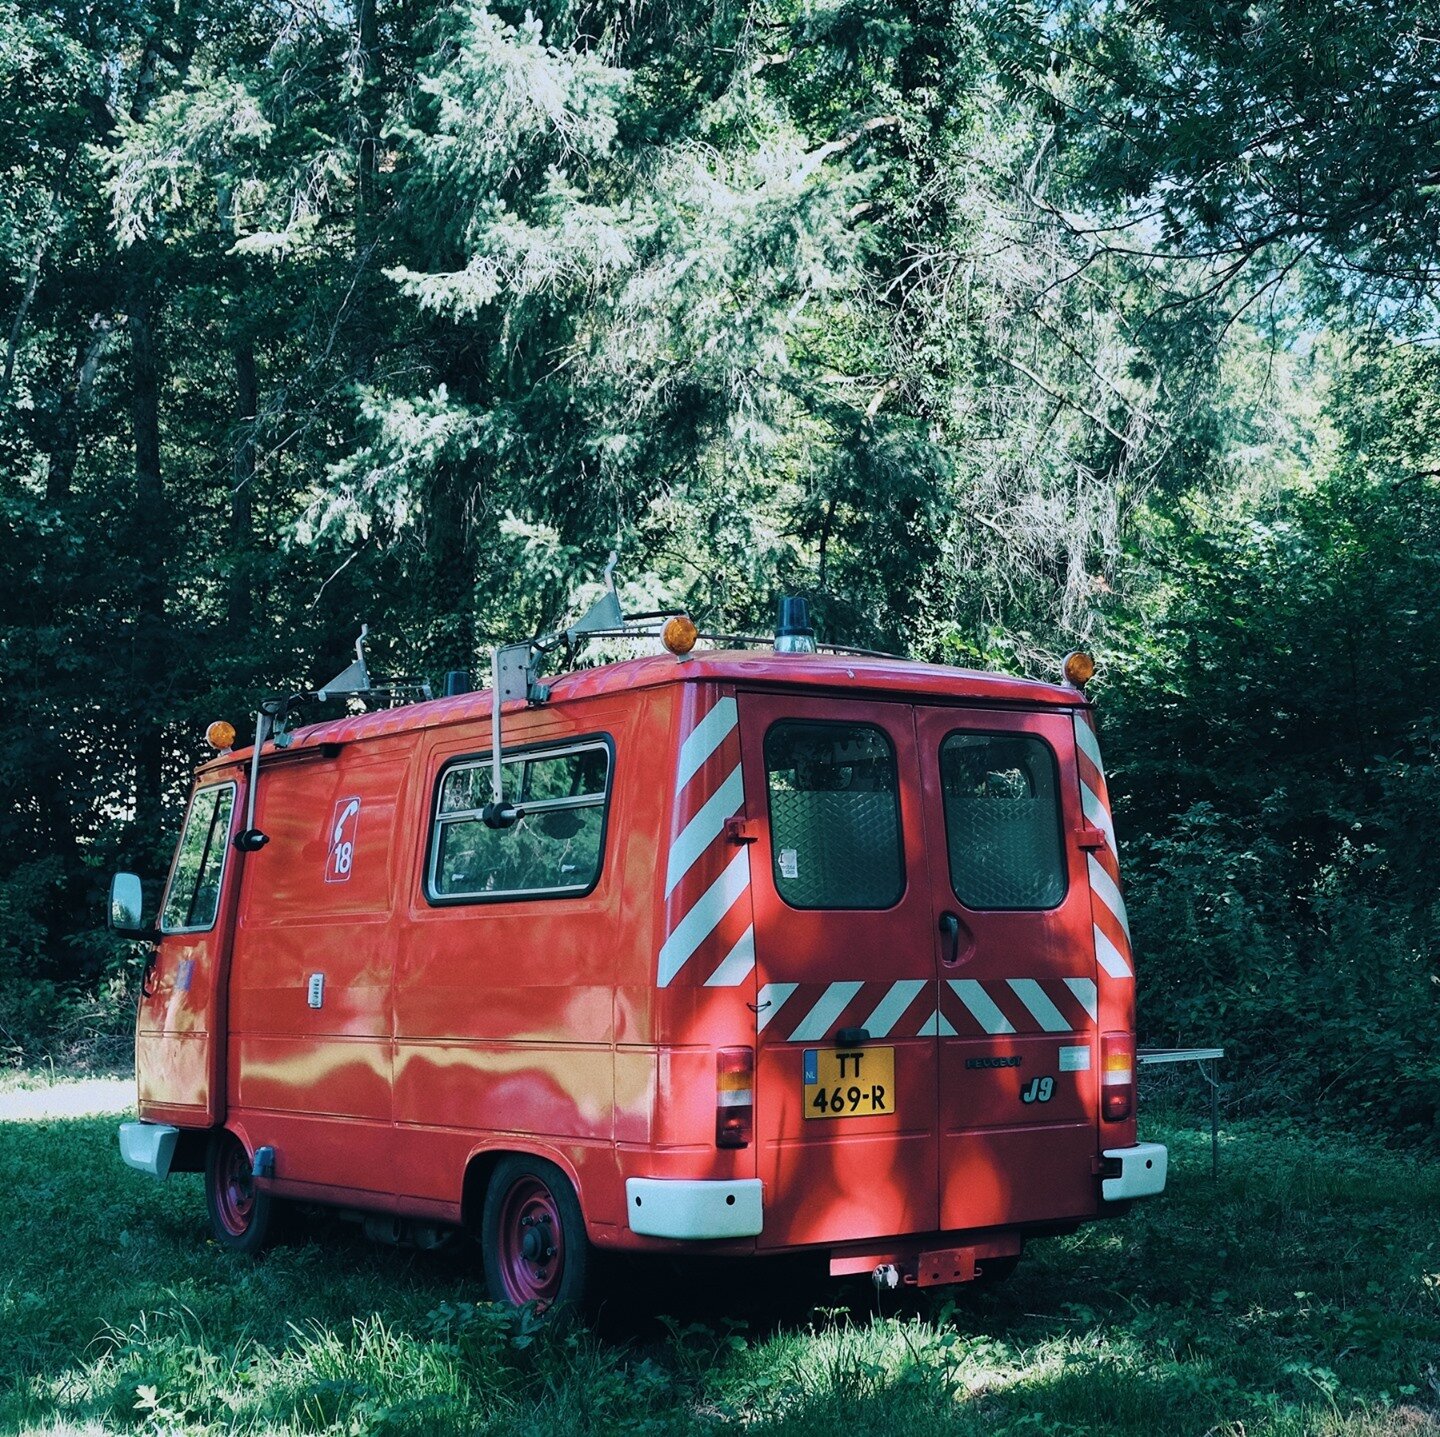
(241, 1216)
(532, 1237)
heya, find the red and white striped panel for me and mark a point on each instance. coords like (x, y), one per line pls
(969, 1008)
(1107, 906)
(709, 937)
(909, 1008)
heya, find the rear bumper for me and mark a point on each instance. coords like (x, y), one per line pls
(695, 1209)
(149, 1147)
(1142, 1172)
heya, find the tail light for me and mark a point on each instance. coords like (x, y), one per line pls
(1117, 1076)
(734, 1097)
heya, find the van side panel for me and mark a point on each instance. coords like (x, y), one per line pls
(505, 1009)
(640, 853)
(311, 979)
(1110, 925)
(688, 985)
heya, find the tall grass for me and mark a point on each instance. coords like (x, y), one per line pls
(1298, 1294)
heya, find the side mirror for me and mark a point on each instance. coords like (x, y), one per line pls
(125, 912)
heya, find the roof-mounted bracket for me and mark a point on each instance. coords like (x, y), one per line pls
(515, 675)
(604, 613)
(354, 679)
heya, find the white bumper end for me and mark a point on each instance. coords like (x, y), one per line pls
(149, 1147)
(680, 1208)
(1142, 1172)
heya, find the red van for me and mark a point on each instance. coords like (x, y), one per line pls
(775, 952)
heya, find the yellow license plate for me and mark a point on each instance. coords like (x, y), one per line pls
(849, 1082)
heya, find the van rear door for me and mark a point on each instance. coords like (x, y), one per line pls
(1018, 1000)
(844, 941)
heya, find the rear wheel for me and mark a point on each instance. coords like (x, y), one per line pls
(241, 1216)
(532, 1237)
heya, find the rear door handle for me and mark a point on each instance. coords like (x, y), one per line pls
(950, 931)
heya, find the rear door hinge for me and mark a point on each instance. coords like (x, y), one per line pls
(740, 830)
(1089, 838)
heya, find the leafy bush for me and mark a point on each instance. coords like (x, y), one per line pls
(1275, 783)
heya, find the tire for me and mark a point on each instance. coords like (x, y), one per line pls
(242, 1218)
(532, 1238)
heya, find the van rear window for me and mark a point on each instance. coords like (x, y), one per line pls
(1002, 821)
(555, 848)
(834, 815)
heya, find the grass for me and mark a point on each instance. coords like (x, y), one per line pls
(1298, 1294)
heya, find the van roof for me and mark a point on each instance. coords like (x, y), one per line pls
(839, 673)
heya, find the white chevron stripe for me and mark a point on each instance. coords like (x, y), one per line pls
(1097, 813)
(1085, 993)
(1089, 745)
(937, 1025)
(769, 1001)
(1105, 889)
(816, 1023)
(1109, 957)
(889, 1009)
(704, 828)
(982, 1007)
(701, 921)
(703, 740)
(1037, 1000)
(738, 963)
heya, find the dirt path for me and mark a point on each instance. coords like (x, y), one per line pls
(67, 1098)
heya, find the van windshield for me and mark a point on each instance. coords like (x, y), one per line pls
(1002, 821)
(194, 894)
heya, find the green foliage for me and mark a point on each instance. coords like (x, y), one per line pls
(1274, 131)
(995, 329)
(1274, 724)
(404, 314)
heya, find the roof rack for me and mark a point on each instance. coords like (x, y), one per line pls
(730, 640)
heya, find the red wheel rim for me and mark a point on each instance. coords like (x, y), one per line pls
(531, 1243)
(234, 1188)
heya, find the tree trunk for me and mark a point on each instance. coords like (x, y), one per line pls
(368, 123)
(370, 102)
(18, 326)
(239, 608)
(150, 530)
(64, 451)
(449, 591)
(53, 800)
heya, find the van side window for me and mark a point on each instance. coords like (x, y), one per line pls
(834, 815)
(194, 894)
(556, 846)
(1002, 821)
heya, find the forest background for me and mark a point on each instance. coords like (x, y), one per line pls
(996, 329)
